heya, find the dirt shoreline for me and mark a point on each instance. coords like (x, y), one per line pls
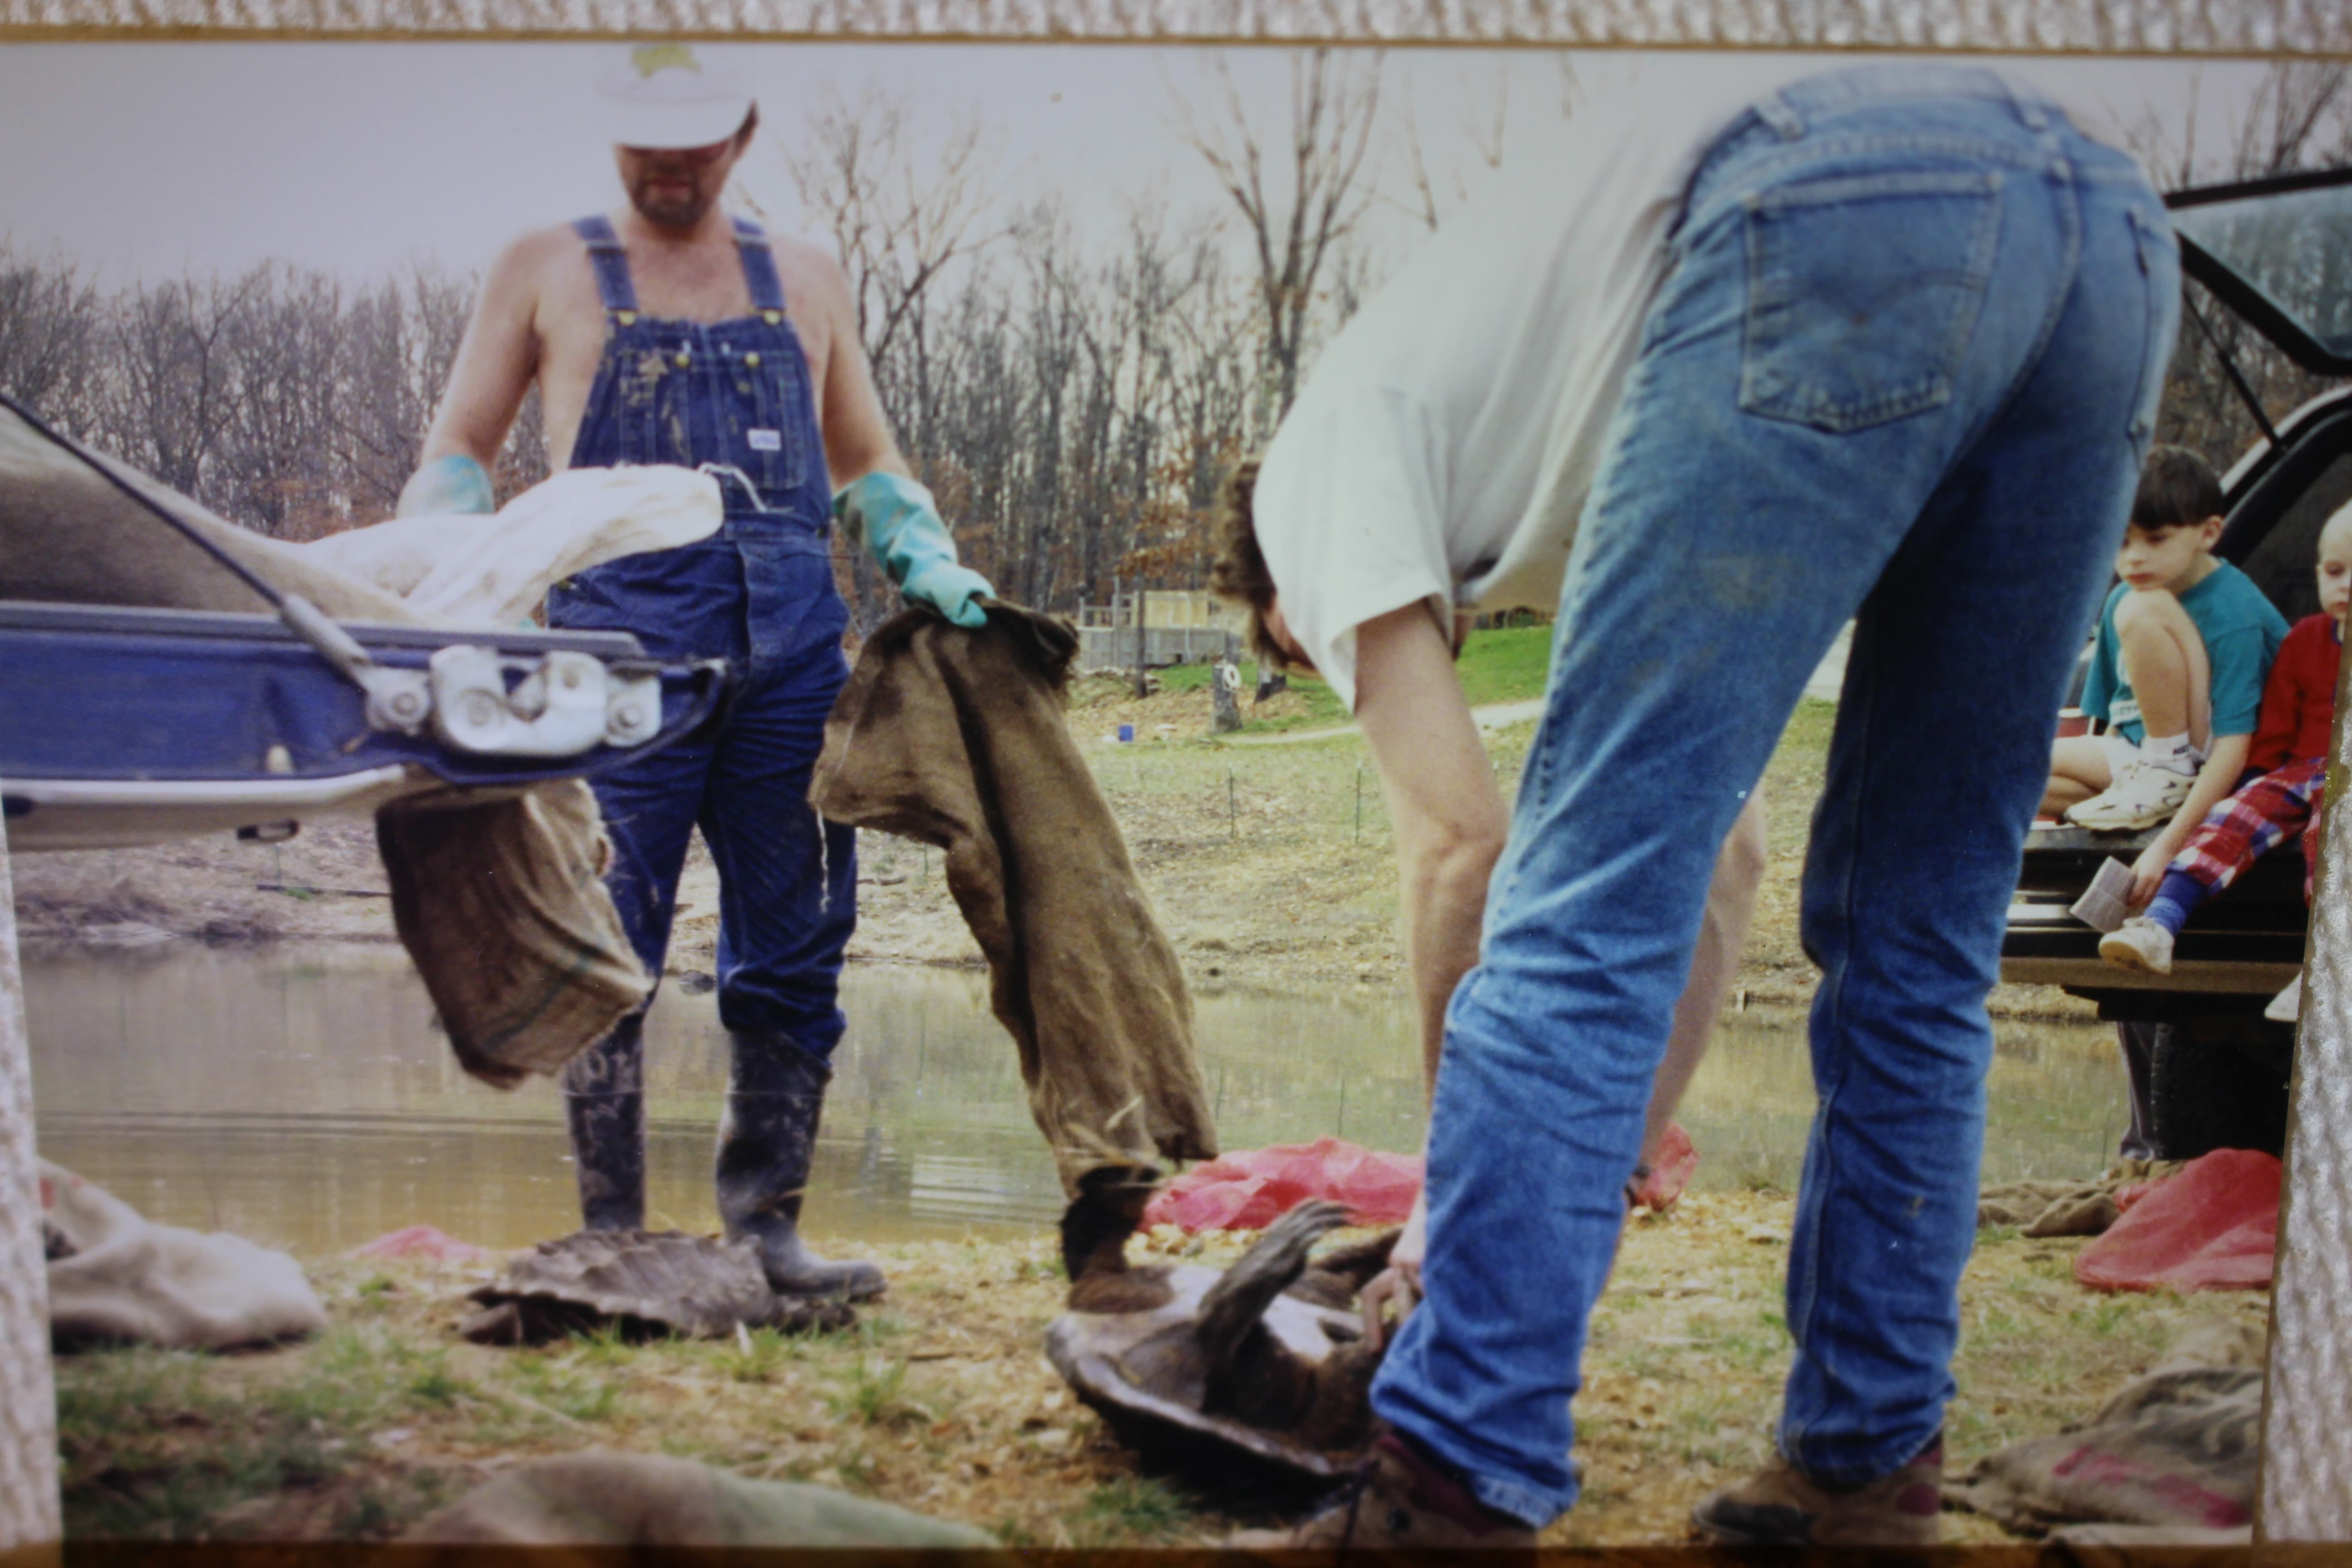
(1270, 868)
(939, 1402)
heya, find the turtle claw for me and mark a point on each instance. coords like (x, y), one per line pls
(1237, 1300)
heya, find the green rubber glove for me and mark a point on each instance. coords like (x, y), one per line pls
(451, 483)
(902, 531)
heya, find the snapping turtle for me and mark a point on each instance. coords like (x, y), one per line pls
(649, 1283)
(1267, 1357)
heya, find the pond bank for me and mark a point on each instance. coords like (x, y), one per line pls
(940, 1402)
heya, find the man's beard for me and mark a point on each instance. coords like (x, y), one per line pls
(671, 212)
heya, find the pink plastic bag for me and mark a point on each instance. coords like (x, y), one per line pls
(423, 1241)
(1251, 1190)
(1677, 1161)
(2211, 1225)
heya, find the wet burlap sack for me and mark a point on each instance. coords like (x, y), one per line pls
(648, 1499)
(497, 896)
(2172, 1457)
(957, 739)
(502, 902)
(2067, 1208)
(116, 1276)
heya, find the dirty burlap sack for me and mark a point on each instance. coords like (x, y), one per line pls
(2040, 1209)
(496, 895)
(957, 739)
(2170, 1458)
(115, 1276)
(650, 1499)
(502, 902)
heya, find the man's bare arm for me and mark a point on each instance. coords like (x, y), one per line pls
(497, 359)
(1449, 817)
(857, 439)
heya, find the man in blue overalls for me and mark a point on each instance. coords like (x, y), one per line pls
(669, 334)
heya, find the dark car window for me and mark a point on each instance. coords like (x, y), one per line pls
(2301, 494)
(2292, 247)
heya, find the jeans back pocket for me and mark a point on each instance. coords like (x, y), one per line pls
(1861, 294)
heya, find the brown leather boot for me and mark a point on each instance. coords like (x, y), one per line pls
(1401, 1500)
(1781, 1506)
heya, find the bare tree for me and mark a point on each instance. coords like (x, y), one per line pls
(2300, 116)
(50, 322)
(171, 394)
(1296, 224)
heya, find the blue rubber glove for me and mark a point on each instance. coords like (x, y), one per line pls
(902, 530)
(451, 483)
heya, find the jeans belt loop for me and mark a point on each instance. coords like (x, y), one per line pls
(1776, 112)
(2031, 108)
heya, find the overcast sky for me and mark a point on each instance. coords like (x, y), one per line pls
(357, 158)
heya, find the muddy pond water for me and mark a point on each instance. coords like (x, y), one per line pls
(303, 1098)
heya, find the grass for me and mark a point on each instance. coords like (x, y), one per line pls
(1129, 1511)
(944, 1406)
(153, 1446)
(1503, 664)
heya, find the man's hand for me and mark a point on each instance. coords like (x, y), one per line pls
(903, 532)
(1400, 1281)
(453, 483)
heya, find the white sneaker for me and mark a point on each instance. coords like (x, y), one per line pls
(2287, 1005)
(2139, 944)
(2144, 796)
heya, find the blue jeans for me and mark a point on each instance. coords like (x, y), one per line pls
(1902, 368)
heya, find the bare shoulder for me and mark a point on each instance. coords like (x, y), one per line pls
(811, 273)
(532, 259)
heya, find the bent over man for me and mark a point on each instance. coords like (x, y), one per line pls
(1882, 344)
(668, 332)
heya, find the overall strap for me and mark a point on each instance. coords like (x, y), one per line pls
(759, 265)
(612, 265)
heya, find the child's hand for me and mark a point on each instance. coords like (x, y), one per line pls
(2147, 871)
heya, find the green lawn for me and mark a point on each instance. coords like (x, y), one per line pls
(1505, 665)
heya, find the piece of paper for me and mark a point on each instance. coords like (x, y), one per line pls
(2102, 906)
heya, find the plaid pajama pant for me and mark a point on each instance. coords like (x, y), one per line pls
(2243, 829)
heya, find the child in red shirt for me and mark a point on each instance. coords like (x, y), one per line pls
(2290, 750)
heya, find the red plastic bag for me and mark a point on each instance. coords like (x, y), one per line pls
(1251, 1190)
(1677, 1161)
(423, 1241)
(2211, 1225)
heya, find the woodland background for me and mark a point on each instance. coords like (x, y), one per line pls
(1074, 393)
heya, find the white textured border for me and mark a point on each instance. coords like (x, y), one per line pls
(2306, 1477)
(2306, 1487)
(28, 1427)
(2068, 27)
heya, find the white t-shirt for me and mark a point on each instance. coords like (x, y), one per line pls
(1445, 442)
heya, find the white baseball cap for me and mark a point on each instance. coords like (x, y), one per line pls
(664, 95)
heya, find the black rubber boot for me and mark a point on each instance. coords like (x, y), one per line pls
(767, 1138)
(605, 1101)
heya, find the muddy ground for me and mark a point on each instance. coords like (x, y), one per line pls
(1270, 866)
(940, 1400)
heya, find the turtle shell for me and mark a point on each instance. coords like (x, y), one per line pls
(649, 1283)
(1145, 1374)
(1152, 1372)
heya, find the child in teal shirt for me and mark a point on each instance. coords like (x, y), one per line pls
(2185, 642)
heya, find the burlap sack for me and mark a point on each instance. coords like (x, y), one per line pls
(117, 1276)
(502, 902)
(957, 739)
(648, 1499)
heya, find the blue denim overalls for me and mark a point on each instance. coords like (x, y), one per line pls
(759, 593)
